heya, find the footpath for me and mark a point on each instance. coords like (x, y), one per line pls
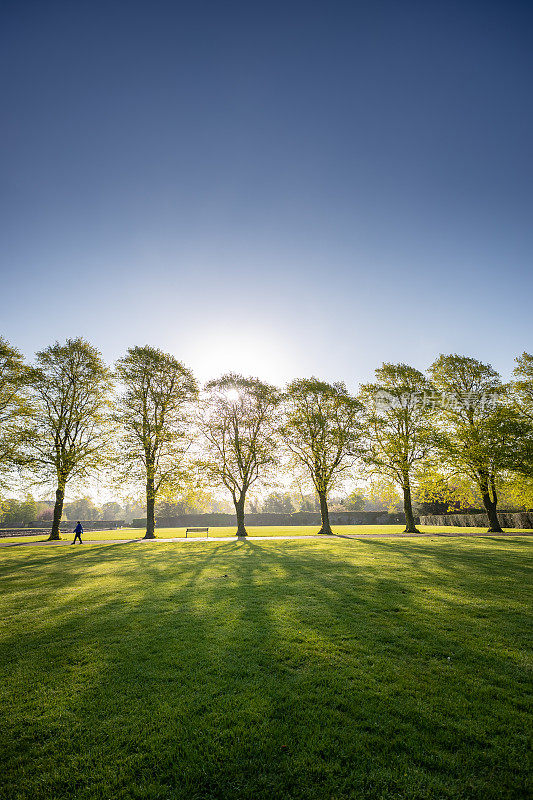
(215, 539)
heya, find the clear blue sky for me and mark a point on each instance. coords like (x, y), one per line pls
(279, 188)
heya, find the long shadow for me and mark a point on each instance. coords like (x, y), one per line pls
(253, 669)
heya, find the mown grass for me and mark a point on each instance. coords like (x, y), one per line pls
(253, 530)
(320, 669)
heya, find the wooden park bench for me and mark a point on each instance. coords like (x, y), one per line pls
(197, 530)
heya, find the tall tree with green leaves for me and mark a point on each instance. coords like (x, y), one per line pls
(239, 423)
(71, 389)
(522, 393)
(278, 503)
(479, 432)
(322, 430)
(83, 508)
(15, 410)
(355, 501)
(522, 384)
(17, 512)
(398, 428)
(153, 415)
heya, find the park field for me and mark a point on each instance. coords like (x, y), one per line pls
(259, 530)
(322, 669)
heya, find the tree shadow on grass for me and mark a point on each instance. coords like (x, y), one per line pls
(258, 670)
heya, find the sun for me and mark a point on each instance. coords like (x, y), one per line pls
(257, 353)
(233, 396)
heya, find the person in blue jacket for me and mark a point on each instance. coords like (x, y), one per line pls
(78, 530)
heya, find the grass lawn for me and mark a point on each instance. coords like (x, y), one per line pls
(253, 530)
(379, 668)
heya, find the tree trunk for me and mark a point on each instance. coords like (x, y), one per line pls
(150, 509)
(489, 502)
(490, 508)
(324, 514)
(58, 512)
(239, 511)
(410, 526)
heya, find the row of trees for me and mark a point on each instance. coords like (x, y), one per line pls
(68, 416)
(30, 511)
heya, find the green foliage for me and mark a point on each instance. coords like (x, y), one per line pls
(71, 388)
(479, 440)
(522, 386)
(355, 501)
(112, 510)
(437, 437)
(152, 415)
(190, 499)
(517, 491)
(307, 502)
(18, 512)
(239, 424)
(398, 432)
(383, 494)
(321, 430)
(398, 443)
(451, 491)
(278, 502)
(522, 392)
(15, 411)
(71, 395)
(83, 508)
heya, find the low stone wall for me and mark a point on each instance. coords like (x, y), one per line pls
(508, 519)
(65, 527)
(5, 532)
(276, 520)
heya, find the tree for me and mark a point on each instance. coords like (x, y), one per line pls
(518, 491)
(398, 413)
(112, 511)
(309, 502)
(132, 509)
(19, 512)
(355, 501)
(151, 411)
(45, 514)
(71, 392)
(278, 502)
(15, 409)
(522, 392)
(83, 508)
(522, 386)
(479, 433)
(239, 425)
(191, 499)
(321, 430)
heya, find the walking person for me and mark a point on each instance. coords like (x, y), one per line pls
(78, 530)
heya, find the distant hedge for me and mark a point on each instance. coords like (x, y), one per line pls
(297, 518)
(508, 519)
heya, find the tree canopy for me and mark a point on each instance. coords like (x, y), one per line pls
(15, 410)
(321, 429)
(522, 384)
(151, 412)
(239, 423)
(479, 432)
(398, 428)
(71, 395)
